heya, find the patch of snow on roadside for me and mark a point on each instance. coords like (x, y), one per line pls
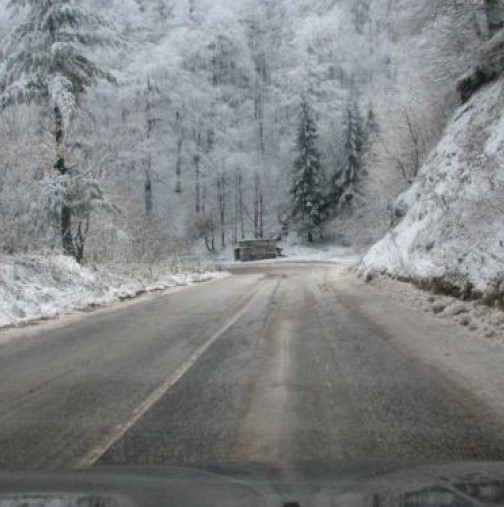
(34, 288)
(486, 323)
(295, 250)
(300, 252)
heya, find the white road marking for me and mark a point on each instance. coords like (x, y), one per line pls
(96, 453)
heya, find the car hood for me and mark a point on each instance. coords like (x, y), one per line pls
(256, 484)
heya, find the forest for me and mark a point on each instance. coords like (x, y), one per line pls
(135, 129)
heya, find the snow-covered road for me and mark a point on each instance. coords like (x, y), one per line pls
(274, 364)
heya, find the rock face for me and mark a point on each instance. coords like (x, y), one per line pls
(491, 67)
(454, 224)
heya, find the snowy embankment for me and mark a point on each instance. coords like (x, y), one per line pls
(453, 227)
(35, 288)
(295, 250)
(300, 252)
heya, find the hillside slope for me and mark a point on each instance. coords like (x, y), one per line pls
(454, 224)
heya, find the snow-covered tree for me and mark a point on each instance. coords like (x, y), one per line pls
(307, 195)
(361, 13)
(495, 15)
(210, 89)
(345, 183)
(47, 62)
(371, 135)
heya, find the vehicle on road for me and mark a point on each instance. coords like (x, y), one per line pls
(257, 250)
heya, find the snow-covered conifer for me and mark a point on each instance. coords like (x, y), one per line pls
(307, 195)
(345, 183)
(47, 62)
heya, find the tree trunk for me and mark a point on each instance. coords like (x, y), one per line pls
(66, 211)
(495, 16)
(203, 195)
(261, 77)
(178, 186)
(197, 184)
(66, 231)
(80, 241)
(259, 116)
(148, 191)
(209, 245)
(241, 205)
(257, 186)
(180, 144)
(261, 216)
(209, 242)
(151, 123)
(236, 207)
(221, 188)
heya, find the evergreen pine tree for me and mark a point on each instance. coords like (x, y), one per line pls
(46, 62)
(372, 128)
(307, 197)
(361, 10)
(371, 132)
(345, 183)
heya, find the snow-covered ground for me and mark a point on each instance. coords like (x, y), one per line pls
(453, 227)
(464, 340)
(477, 318)
(294, 250)
(300, 252)
(34, 287)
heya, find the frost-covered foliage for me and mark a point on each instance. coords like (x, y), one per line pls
(195, 143)
(453, 224)
(307, 187)
(44, 55)
(346, 181)
(45, 62)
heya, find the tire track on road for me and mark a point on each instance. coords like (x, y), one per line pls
(94, 455)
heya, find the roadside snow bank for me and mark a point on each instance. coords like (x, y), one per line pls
(295, 250)
(35, 288)
(453, 226)
(301, 252)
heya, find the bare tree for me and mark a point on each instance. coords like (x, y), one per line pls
(180, 143)
(409, 146)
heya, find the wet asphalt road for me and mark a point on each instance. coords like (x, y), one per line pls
(272, 365)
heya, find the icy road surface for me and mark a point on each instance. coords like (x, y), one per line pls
(274, 364)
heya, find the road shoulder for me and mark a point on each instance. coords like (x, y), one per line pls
(405, 316)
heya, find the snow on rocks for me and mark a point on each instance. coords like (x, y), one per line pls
(34, 287)
(296, 250)
(453, 225)
(438, 307)
(458, 309)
